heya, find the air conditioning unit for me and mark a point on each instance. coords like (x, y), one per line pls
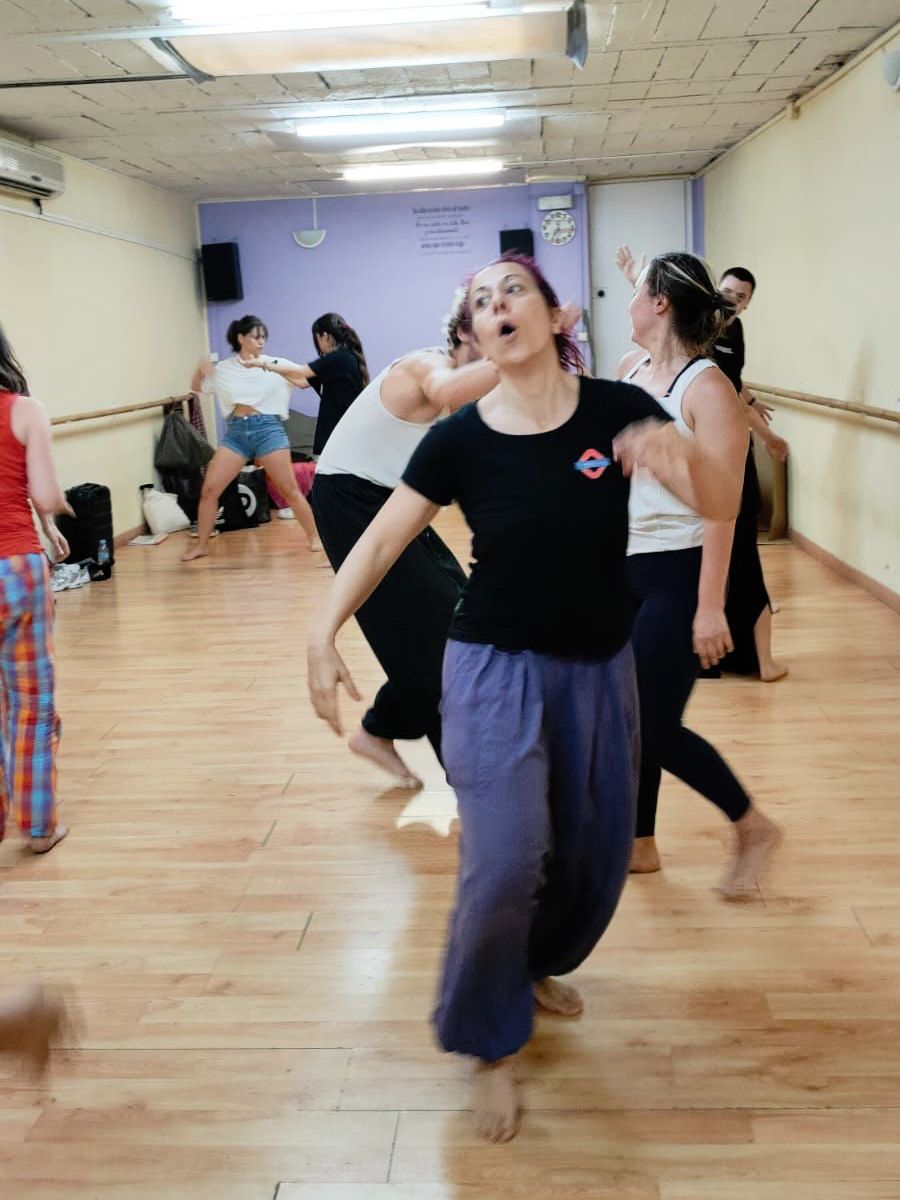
(30, 171)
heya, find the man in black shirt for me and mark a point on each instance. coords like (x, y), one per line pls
(748, 608)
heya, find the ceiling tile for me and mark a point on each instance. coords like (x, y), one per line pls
(683, 20)
(637, 65)
(849, 14)
(767, 56)
(732, 18)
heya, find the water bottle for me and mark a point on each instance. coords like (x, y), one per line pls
(103, 569)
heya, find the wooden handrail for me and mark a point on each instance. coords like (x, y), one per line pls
(112, 412)
(858, 410)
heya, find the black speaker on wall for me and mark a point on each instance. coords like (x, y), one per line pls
(520, 240)
(222, 271)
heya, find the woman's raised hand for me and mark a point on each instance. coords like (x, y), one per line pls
(325, 670)
(626, 264)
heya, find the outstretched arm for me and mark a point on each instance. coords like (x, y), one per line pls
(759, 423)
(398, 522)
(297, 374)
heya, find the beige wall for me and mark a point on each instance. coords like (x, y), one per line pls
(99, 322)
(811, 206)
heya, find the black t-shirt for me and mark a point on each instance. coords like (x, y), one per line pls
(549, 528)
(338, 380)
(729, 352)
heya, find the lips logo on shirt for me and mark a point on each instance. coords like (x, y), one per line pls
(592, 464)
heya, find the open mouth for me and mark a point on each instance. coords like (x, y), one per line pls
(507, 330)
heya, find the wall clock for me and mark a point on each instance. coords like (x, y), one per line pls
(558, 227)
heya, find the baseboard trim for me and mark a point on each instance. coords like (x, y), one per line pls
(879, 590)
(121, 538)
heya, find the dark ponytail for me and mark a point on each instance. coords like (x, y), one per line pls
(345, 336)
(243, 325)
(699, 310)
(12, 377)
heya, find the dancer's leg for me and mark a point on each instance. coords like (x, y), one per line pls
(30, 732)
(405, 621)
(769, 668)
(592, 730)
(497, 763)
(666, 672)
(223, 468)
(280, 470)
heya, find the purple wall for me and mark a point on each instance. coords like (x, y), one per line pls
(387, 268)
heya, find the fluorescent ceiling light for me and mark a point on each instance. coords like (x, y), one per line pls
(317, 14)
(419, 122)
(426, 170)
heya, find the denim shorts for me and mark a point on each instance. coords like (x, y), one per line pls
(256, 436)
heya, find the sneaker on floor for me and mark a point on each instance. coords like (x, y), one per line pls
(285, 514)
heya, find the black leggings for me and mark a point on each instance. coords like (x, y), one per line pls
(665, 588)
(406, 618)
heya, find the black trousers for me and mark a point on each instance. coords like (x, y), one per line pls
(747, 595)
(665, 590)
(406, 619)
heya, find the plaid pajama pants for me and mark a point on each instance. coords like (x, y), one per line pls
(29, 725)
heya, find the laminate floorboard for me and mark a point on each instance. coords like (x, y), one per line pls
(252, 920)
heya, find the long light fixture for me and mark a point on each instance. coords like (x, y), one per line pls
(423, 170)
(317, 14)
(389, 123)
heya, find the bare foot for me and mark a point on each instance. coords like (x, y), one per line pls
(316, 546)
(772, 670)
(42, 845)
(197, 551)
(30, 1023)
(644, 856)
(496, 1101)
(757, 839)
(381, 752)
(558, 997)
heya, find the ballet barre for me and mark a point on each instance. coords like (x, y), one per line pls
(98, 413)
(857, 410)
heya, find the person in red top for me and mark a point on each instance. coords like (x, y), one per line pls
(29, 725)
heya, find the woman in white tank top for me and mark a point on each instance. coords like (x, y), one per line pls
(406, 619)
(678, 563)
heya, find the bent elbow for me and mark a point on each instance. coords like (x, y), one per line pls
(48, 502)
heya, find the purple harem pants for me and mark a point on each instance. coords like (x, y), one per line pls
(543, 754)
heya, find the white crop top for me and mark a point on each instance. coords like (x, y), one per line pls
(265, 391)
(370, 442)
(657, 520)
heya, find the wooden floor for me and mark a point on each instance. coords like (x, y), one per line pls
(254, 926)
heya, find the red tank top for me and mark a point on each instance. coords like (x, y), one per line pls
(17, 532)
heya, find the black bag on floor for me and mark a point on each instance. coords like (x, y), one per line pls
(180, 446)
(245, 502)
(90, 532)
